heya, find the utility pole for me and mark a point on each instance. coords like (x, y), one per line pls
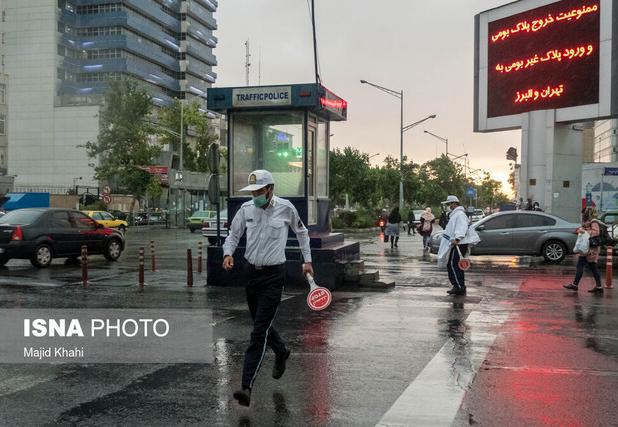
(247, 61)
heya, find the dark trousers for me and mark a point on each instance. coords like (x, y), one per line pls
(264, 290)
(456, 274)
(592, 266)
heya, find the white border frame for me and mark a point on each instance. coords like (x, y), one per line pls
(570, 114)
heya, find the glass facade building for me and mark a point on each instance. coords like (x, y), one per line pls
(60, 55)
(166, 44)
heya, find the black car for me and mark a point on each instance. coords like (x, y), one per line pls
(42, 234)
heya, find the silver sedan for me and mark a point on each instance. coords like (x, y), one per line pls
(522, 233)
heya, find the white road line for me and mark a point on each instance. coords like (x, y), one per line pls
(435, 395)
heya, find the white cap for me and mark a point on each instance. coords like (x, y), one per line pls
(451, 199)
(258, 179)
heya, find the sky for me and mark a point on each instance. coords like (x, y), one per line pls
(425, 48)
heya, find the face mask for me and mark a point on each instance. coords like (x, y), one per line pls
(260, 200)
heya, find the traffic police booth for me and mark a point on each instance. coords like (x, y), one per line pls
(284, 129)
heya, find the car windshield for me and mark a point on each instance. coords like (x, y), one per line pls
(20, 217)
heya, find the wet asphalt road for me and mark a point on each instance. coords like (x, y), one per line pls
(517, 350)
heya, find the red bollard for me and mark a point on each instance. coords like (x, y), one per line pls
(152, 255)
(189, 269)
(141, 268)
(609, 264)
(85, 266)
(199, 258)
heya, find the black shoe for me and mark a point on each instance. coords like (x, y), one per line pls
(396, 245)
(570, 286)
(596, 290)
(279, 367)
(451, 291)
(243, 396)
(459, 292)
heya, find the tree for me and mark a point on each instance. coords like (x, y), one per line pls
(349, 171)
(439, 178)
(489, 192)
(194, 155)
(123, 147)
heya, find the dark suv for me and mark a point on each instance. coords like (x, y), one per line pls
(42, 234)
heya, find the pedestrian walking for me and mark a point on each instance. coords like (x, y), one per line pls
(411, 219)
(392, 228)
(443, 218)
(266, 219)
(455, 235)
(591, 225)
(425, 228)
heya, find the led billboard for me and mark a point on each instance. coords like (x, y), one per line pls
(542, 54)
(544, 58)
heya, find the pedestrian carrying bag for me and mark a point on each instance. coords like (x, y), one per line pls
(603, 239)
(582, 244)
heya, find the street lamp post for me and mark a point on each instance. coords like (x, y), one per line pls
(402, 128)
(445, 140)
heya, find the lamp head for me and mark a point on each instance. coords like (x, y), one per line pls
(433, 116)
(363, 81)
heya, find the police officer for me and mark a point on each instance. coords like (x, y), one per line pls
(266, 218)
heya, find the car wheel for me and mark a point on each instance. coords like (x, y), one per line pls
(113, 250)
(554, 251)
(3, 260)
(122, 228)
(192, 230)
(43, 256)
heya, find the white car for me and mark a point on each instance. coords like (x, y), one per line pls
(477, 215)
(209, 228)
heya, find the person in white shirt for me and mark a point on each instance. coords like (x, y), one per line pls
(454, 235)
(266, 218)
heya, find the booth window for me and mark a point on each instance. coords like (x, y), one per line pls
(271, 141)
(322, 159)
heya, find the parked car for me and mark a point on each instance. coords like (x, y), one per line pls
(195, 221)
(417, 216)
(42, 234)
(150, 218)
(209, 227)
(108, 220)
(521, 233)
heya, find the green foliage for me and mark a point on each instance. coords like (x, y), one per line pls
(373, 188)
(363, 218)
(195, 148)
(123, 148)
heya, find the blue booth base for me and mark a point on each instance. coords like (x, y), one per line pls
(328, 251)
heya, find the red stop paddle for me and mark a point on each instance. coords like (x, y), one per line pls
(319, 298)
(464, 263)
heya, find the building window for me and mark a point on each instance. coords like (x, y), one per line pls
(2, 93)
(2, 118)
(532, 181)
(3, 16)
(566, 184)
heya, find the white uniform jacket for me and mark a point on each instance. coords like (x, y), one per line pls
(267, 232)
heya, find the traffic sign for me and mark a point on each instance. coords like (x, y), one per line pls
(107, 190)
(107, 199)
(318, 298)
(471, 192)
